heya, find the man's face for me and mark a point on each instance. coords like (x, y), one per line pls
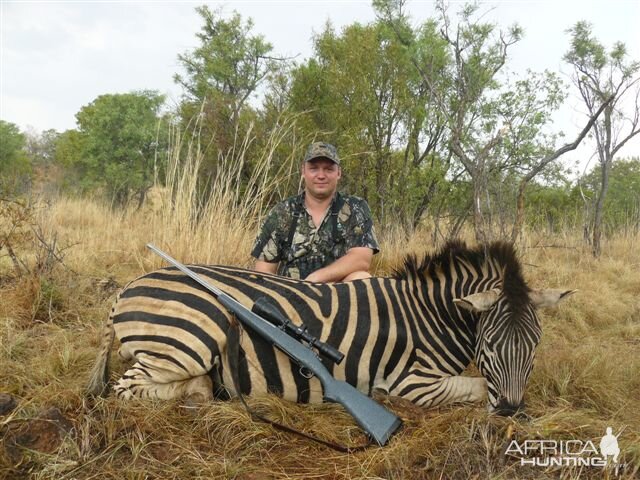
(321, 177)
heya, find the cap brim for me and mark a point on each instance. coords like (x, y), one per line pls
(322, 156)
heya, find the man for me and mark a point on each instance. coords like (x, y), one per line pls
(319, 235)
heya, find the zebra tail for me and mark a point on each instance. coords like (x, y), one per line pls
(99, 378)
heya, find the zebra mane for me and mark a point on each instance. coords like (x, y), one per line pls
(503, 253)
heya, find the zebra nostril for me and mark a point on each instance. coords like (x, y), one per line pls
(507, 409)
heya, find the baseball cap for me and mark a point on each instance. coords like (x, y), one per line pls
(322, 150)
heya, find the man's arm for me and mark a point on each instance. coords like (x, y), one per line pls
(266, 250)
(356, 259)
(265, 267)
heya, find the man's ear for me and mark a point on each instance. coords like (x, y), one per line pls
(478, 302)
(549, 297)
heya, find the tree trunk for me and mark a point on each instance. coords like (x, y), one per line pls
(597, 218)
(606, 159)
(479, 223)
(381, 185)
(517, 225)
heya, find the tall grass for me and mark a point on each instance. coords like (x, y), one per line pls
(197, 220)
(209, 223)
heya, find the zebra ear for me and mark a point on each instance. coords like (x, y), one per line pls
(478, 302)
(549, 297)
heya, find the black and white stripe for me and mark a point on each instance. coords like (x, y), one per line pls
(410, 335)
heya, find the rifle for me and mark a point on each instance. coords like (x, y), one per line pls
(372, 417)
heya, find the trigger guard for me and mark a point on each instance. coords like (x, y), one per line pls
(306, 373)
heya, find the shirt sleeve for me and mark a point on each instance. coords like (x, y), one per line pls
(267, 244)
(360, 232)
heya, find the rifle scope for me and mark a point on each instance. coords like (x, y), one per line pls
(266, 309)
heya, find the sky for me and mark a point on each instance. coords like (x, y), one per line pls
(57, 56)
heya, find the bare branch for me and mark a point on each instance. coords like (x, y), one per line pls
(569, 146)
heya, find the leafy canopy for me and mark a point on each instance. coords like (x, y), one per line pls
(14, 162)
(116, 143)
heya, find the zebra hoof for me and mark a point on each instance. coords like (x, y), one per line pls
(379, 394)
(197, 399)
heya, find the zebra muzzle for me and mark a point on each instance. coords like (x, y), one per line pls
(507, 409)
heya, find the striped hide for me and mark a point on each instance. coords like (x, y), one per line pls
(409, 335)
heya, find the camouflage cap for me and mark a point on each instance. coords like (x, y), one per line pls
(322, 150)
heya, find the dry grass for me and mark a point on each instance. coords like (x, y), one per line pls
(587, 375)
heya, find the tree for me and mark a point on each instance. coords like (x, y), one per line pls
(69, 154)
(471, 104)
(600, 75)
(496, 128)
(116, 144)
(552, 205)
(14, 162)
(621, 209)
(469, 101)
(221, 75)
(41, 146)
(534, 153)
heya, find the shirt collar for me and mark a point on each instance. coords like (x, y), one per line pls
(300, 202)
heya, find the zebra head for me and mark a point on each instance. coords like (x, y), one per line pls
(508, 332)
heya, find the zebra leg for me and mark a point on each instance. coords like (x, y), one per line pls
(143, 381)
(429, 392)
(460, 389)
(380, 390)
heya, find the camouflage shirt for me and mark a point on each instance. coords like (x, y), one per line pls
(289, 236)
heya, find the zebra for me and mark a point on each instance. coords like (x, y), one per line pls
(409, 335)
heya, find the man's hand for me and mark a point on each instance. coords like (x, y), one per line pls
(357, 259)
(265, 267)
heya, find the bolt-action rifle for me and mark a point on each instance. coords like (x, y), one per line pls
(372, 417)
